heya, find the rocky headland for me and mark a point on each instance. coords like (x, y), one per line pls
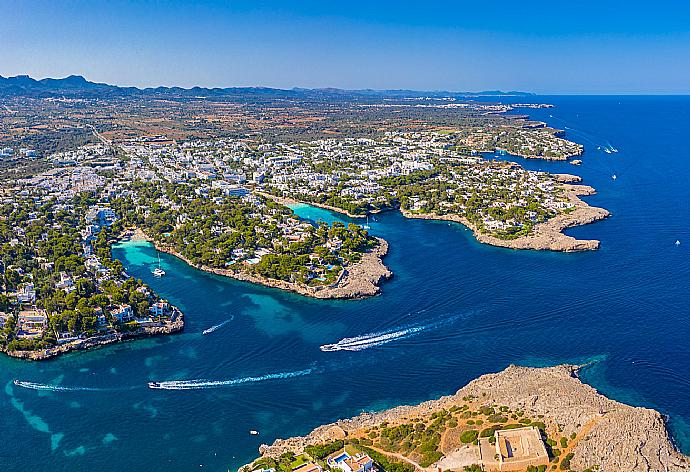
(547, 236)
(359, 280)
(608, 436)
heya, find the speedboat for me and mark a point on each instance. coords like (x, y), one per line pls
(16, 382)
(154, 385)
(254, 432)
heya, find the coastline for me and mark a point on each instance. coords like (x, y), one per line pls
(95, 342)
(547, 236)
(361, 280)
(610, 435)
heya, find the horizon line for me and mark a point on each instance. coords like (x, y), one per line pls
(486, 92)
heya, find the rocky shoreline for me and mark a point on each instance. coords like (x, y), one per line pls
(99, 341)
(361, 280)
(619, 437)
(547, 236)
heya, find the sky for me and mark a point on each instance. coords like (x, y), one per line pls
(546, 47)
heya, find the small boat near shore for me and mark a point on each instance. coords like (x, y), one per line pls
(158, 272)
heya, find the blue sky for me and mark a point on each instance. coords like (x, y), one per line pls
(541, 46)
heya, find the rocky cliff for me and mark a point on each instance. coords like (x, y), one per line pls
(616, 437)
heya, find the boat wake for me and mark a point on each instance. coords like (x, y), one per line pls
(216, 327)
(53, 388)
(366, 341)
(205, 384)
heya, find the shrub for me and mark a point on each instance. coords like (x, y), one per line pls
(430, 458)
(469, 436)
(497, 418)
(386, 464)
(564, 443)
(565, 463)
(322, 450)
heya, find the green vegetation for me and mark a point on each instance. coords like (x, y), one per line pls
(321, 451)
(565, 462)
(59, 269)
(386, 464)
(255, 236)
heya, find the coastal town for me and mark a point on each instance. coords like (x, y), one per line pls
(61, 290)
(222, 205)
(300, 236)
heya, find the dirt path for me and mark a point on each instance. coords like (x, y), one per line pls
(402, 458)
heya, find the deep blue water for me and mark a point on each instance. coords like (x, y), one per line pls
(476, 310)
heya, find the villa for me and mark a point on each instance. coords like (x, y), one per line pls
(358, 463)
(123, 313)
(32, 323)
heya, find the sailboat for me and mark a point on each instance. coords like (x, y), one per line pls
(677, 242)
(366, 226)
(614, 177)
(158, 272)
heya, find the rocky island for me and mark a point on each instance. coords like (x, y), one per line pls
(576, 427)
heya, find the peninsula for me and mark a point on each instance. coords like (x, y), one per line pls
(545, 417)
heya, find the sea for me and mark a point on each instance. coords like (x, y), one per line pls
(455, 310)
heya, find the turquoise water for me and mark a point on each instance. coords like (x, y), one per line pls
(454, 310)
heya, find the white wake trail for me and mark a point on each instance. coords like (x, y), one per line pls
(203, 384)
(370, 340)
(218, 326)
(53, 388)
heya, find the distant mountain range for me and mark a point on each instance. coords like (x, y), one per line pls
(76, 86)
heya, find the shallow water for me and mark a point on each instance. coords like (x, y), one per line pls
(482, 308)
